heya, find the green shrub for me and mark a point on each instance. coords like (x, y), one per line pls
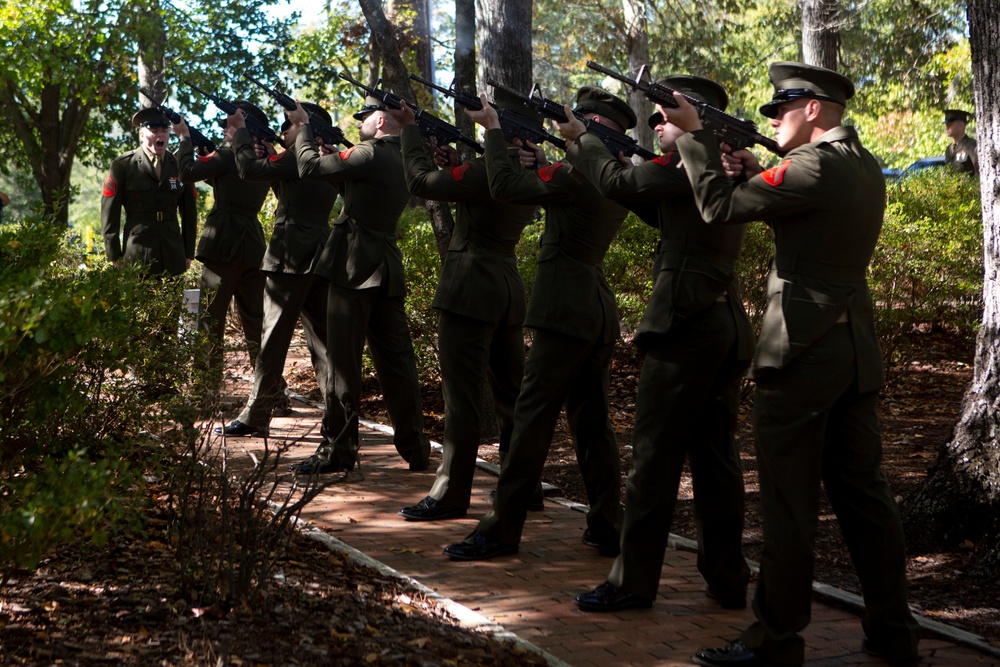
(928, 266)
(423, 268)
(82, 345)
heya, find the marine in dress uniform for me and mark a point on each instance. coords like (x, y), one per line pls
(232, 243)
(697, 343)
(817, 366)
(961, 153)
(482, 305)
(293, 289)
(364, 267)
(161, 219)
(573, 312)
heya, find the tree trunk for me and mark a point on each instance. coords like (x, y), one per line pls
(820, 33)
(465, 66)
(637, 43)
(504, 36)
(960, 499)
(152, 40)
(396, 79)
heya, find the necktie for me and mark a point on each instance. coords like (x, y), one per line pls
(157, 163)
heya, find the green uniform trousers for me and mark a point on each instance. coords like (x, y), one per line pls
(687, 407)
(813, 425)
(472, 351)
(561, 369)
(356, 315)
(221, 282)
(287, 297)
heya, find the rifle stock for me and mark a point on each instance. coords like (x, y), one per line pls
(428, 124)
(737, 132)
(330, 134)
(616, 142)
(198, 139)
(257, 129)
(514, 125)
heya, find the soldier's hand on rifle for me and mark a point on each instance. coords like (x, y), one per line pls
(487, 116)
(236, 119)
(324, 148)
(445, 156)
(531, 155)
(741, 163)
(298, 115)
(403, 115)
(263, 149)
(181, 129)
(572, 128)
(685, 116)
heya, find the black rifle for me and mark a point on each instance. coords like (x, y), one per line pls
(514, 125)
(198, 139)
(257, 129)
(429, 124)
(737, 132)
(330, 134)
(616, 142)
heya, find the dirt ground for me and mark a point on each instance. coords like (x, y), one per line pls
(120, 605)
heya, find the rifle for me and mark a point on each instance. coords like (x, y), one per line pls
(737, 132)
(514, 125)
(330, 134)
(429, 124)
(614, 140)
(197, 138)
(257, 129)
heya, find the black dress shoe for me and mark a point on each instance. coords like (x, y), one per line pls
(605, 548)
(315, 465)
(734, 654)
(894, 658)
(238, 428)
(477, 547)
(537, 504)
(420, 464)
(608, 597)
(727, 601)
(430, 509)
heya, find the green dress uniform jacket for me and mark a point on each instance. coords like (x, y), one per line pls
(153, 235)
(698, 342)
(481, 296)
(292, 288)
(367, 284)
(817, 369)
(573, 311)
(230, 249)
(233, 218)
(962, 156)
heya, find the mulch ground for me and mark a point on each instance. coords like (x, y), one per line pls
(121, 604)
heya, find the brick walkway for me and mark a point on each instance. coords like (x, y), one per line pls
(530, 594)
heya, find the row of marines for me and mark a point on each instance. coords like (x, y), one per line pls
(817, 366)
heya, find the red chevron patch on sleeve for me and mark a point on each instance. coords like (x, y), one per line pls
(206, 158)
(665, 159)
(775, 175)
(549, 172)
(346, 154)
(110, 187)
(458, 173)
(277, 156)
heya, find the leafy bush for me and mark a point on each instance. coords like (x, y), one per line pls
(80, 350)
(928, 265)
